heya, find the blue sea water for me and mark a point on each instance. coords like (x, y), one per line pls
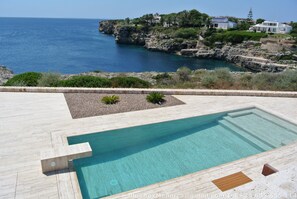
(75, 46)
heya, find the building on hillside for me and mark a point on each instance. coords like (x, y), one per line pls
(157, 18)
(222, 23)
(272, 27)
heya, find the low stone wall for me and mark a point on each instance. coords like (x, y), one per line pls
(146, 91)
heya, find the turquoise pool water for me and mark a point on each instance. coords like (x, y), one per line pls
(131, 158)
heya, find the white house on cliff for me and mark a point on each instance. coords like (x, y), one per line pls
(272, 27)
(222, 23)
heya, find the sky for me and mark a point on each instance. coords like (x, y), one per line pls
(281, 10)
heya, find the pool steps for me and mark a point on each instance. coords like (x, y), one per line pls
(262, 137)
(259, 138)
(245, 136)
(241, 113)
(286, 125)
(280, 122)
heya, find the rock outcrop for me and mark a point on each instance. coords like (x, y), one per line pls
(129, 35)
(162, 43)
(107, 26)
(5, 74)
(251, 55)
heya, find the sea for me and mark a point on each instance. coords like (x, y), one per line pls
(71, 46)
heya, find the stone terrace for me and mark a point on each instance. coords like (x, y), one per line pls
(31, 122)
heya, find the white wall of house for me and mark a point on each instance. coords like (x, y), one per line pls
(272, 27)
(221, 26)
(232, 25)
(224, 26)
(222, 23)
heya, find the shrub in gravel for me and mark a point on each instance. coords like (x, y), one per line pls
(155, 98)
(86, 81)
(110, 99)
(129, 82)
(24, 79)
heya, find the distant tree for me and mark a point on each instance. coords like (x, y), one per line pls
(174, 19)
(183, 18)
(151, 18)
(136, 21)
(207, 22)
(233, 19)
(294, 27)
(259, 21)
(195, 18)
(147, 20)
(244, 25)
(169, 20)
(127, 20)
(250, 15)
(162, 21)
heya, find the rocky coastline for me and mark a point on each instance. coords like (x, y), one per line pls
(5, 74)
(254, 56)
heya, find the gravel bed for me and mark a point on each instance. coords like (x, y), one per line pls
(83, 105)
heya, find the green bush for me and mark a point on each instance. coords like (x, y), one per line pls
(234, 37)
(49, 80)
(86, 81)
(286, 57)
(129, 82)
(186, 33)
(209, 80)
(264, 81)
(163, 79)
(179, 40)
(224, 77)
(246, 81)
(162, 76)
(286, 81)
(25, 79)
(155, 98)
(184, 73)
(110, 99)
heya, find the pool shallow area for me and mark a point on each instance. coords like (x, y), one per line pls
(131, 158)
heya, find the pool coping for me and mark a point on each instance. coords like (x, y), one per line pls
(209, 92)
(74, 179)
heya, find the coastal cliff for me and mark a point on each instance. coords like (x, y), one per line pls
(256, 56)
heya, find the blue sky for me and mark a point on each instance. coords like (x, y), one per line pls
(282, 10)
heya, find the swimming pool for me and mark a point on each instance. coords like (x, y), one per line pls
(130, 158)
